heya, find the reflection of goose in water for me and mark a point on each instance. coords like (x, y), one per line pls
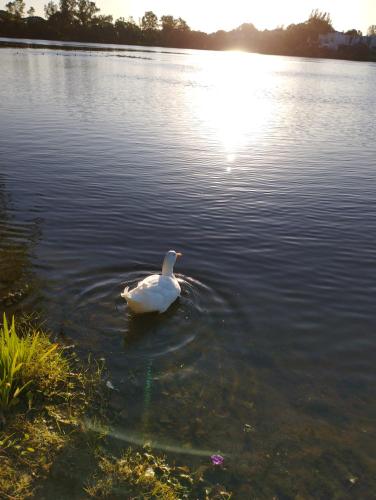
(156, 292)
(152, 327)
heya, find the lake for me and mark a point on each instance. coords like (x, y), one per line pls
(261, 171)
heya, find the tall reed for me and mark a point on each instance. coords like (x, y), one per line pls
(24, 360)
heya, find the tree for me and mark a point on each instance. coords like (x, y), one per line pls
(127, 30)
(182, 25)
(86, 11)
(103, 21)
(168, 23)
(31, 12)
(372, 30)
(319, 17)
(67, 9)
(149, 21)
(354, 32)
(121, 22)
(243, 37)
(318, 23)
(127, 24)
(248, 28)
(16, 8)
(50, 9)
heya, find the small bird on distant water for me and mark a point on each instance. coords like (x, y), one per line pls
(156, 292)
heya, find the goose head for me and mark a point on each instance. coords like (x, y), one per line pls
(169, 262)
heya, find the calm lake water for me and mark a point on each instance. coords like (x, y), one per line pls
(261, 170)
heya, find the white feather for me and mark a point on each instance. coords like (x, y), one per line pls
(156, 292)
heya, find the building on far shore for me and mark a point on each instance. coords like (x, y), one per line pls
(336, 40)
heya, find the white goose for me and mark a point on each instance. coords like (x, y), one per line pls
(156, 292)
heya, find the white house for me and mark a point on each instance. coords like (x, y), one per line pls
(336, 39)
(371, 41)
(333, 40)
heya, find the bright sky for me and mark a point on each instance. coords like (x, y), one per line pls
(211, 15)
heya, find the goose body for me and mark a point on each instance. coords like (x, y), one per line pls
(156, 292)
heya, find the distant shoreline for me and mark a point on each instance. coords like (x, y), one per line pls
(74, 45)
(77, 22)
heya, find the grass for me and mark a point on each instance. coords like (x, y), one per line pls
(44, 394)
(26, 361)
(28, 454)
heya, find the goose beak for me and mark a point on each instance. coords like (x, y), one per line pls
(179, 255)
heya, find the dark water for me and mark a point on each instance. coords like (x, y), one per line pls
(261, 170)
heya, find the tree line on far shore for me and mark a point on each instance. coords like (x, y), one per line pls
(80, 20)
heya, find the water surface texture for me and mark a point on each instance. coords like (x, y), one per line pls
(261, 171)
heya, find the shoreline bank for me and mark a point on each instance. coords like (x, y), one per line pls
(69, 45)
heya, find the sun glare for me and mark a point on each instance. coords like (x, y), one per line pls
(234, 107)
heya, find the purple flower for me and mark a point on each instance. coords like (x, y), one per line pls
(217, 459)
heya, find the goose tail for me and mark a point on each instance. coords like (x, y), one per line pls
(134, 305)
